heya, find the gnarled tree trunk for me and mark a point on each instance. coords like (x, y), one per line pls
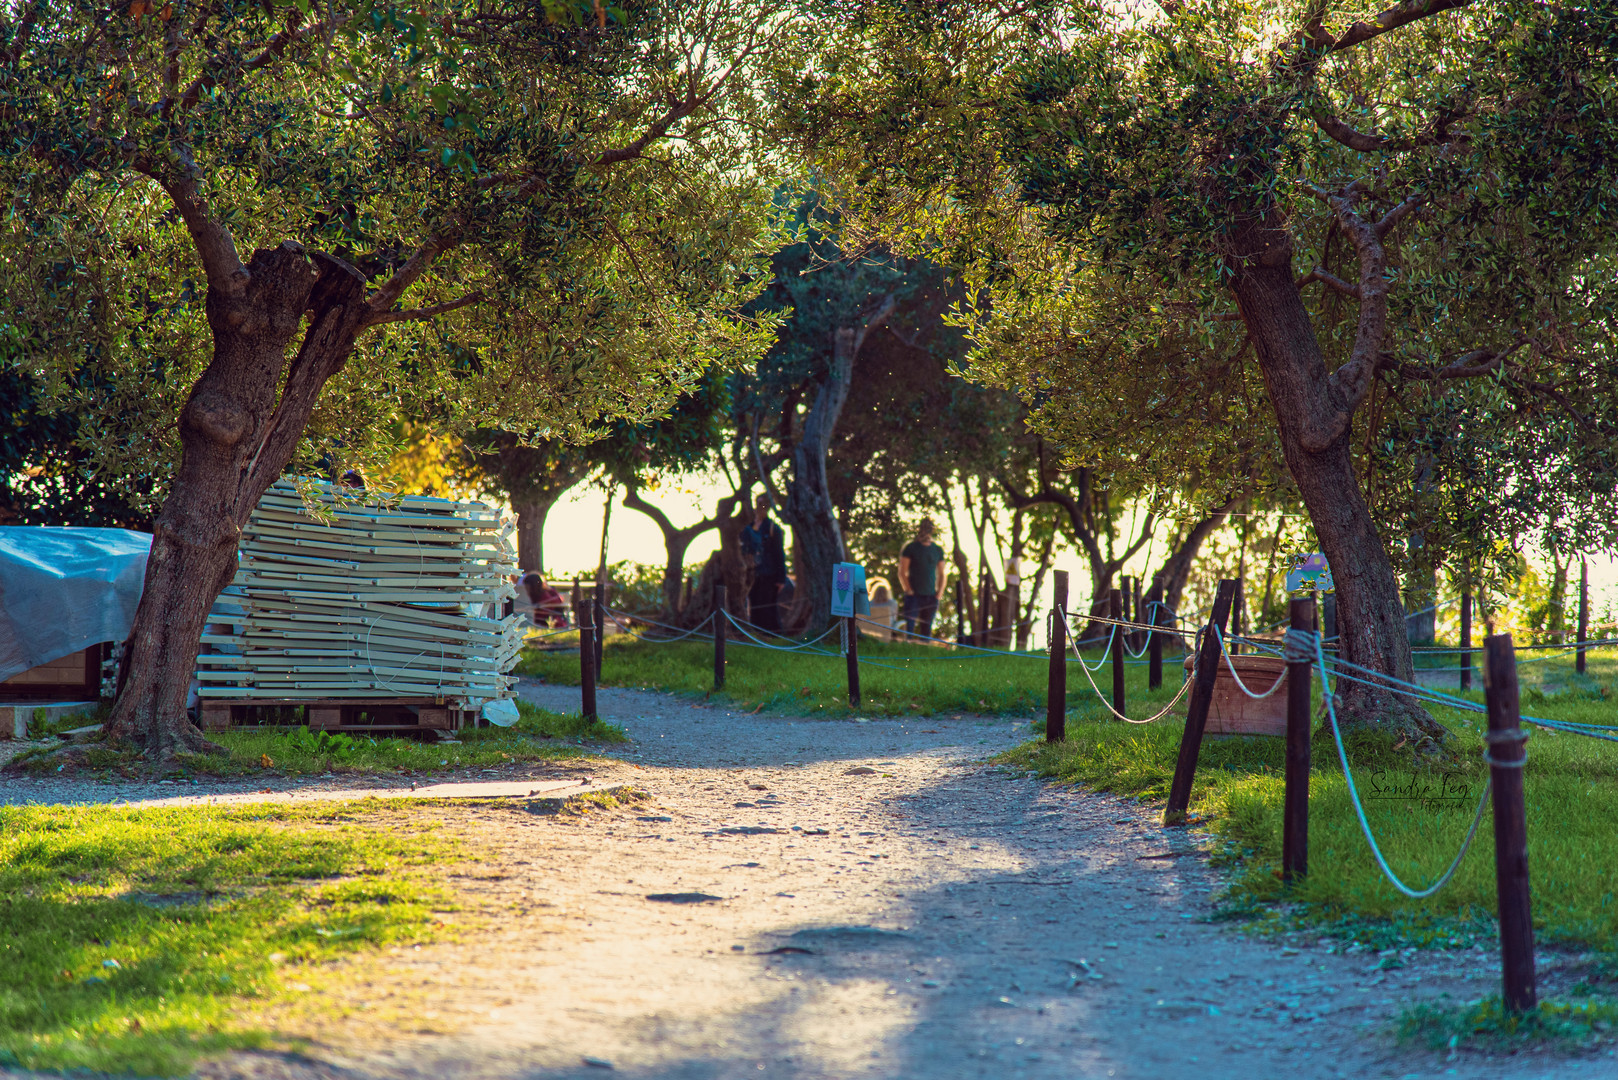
(531, 514)
(676, 541)
(1314, 411)
(236, 438)
(809, 507)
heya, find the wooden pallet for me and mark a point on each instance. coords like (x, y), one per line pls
(398, 715)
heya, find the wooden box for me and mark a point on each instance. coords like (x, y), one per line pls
(1233, 712)
(74, 677)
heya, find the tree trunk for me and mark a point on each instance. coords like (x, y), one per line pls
(531, 515)
(809, 505)
(1313, 414)
(235, 440)
(1172, 576)
(676, 541)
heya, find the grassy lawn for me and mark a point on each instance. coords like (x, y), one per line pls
(896, 678)
(1572, 796)
(138, 940)
(539, 735)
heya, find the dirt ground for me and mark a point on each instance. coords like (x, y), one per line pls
(808, 899)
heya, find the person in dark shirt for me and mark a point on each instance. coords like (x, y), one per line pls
(764, 540)
(921, 576)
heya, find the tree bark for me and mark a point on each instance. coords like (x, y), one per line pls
(809, 506)
(531, 515)
(677, 540)
(1172, 576)
(236, 438)
(1314, 410)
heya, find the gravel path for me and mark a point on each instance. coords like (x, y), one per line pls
(832, 900)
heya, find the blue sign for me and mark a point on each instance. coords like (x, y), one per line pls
(848, 590)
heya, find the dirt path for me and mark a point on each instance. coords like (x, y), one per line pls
(822, 900)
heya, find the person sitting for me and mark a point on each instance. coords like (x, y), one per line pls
(549, 608)
(883, 612)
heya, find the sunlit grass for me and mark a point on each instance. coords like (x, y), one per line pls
(896, 678)
(134, 940)
(1572, 796)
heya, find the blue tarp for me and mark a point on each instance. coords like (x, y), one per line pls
(62, 590)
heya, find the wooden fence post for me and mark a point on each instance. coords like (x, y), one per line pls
(1295, 812)
(1238, 608)
(1135, 607)
(1118, 639)
(1056, 685)
(584, 616)
(1196, 713)
(1466, 638)
(1584, 614)
(718, 637)
(598, 600)
(960, 612)
(851, 627)
(1154, 644)
(1506, 755)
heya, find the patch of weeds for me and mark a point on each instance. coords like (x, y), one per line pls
(135, 939)
(42, 727)
(532, 720)
(1485, 1025)
(92, 754)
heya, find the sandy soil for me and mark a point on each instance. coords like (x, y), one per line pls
(832, 899)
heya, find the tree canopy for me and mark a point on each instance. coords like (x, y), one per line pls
(1380, 215)
(548, 213)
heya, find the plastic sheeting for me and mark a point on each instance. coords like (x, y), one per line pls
(62, 590)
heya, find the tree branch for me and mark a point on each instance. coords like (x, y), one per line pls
(1560, 398)
(271, 52)
(1396, 215)
(1437, 135)
(217, 248)
(416, 314)
(1358, 33)
(438, 243)
(1330, 280)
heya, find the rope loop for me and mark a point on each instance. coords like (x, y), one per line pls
(1299, 646)
(1359, 808)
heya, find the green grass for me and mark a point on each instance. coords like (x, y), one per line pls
(1572, 796)
(538, 735)
(137, 940)
(1485, 1025)
(939, 681)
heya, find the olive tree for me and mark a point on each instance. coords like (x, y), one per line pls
(543, 213)
(1355, 204)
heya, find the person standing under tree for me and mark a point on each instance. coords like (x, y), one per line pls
(764, 541)
(921, 575)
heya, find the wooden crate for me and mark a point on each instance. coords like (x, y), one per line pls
(354, 715)
(1232, 712)
(74, 677)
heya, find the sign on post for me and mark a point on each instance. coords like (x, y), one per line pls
(848, 590)
(1309, 573)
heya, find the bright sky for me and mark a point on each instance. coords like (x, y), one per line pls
(573, 542)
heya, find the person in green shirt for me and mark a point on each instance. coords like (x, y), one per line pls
(921, 576)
